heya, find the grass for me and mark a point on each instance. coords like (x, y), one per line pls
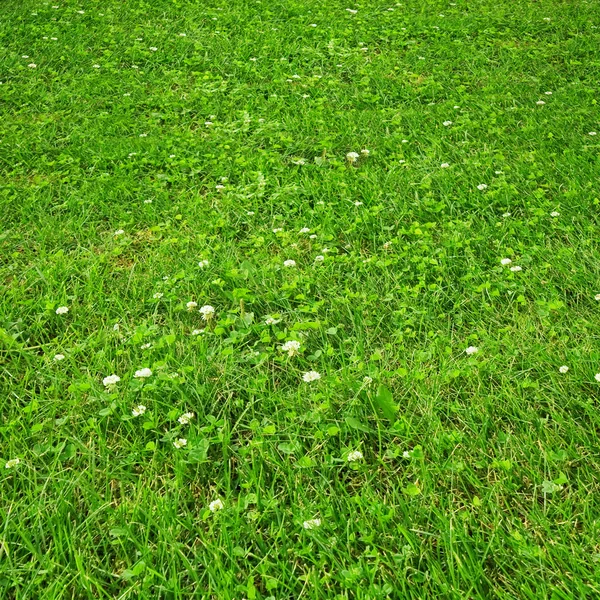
(151, 136)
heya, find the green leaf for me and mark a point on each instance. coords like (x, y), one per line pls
(199, 452)
(288, 447)
(356, 424)
(384, 401)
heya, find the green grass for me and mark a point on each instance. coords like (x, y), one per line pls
(479, 477)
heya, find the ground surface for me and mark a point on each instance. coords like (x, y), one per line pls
(140, 138)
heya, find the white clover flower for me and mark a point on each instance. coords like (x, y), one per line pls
(180, 443)
(506, 215)
(153, 48)
(305, 230)
(352, 156)
(555, 214)
(289, 263)
(540, 102)
(203, 263)
(158, 295)
(291, 347)
(25, 56)
(472, 350)
(278, 230)
(597, 297)
(191, 305)
(139, 410)
(597, 376)
(505, 261)
(183, 35)
(367, 380)
(208, 123)
(58, 357)
(95, 66)
(62, 310)
(563, 369)
(406, 454)
(116, 327)
(271, 321)
(312, 524)
(358, 203)
(185, 418)
(319, 258)
(197, 331)
(250, 213)
(111, 380)
(516, 269)
(216, 505)
(445, 165)
(311, 376)
(313, 236)
(325, 250)
(447, 123)
(207, 312)
(548, 93)
(119, 232)
(219, 187)
(143, 373)
(146, 346)
(32, 65)
(482, 186)
(355, 455)
(12, 463)
(590, 133)
(365, 152)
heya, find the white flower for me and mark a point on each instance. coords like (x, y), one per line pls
(447, 123)
(445, 165)
(548, 93)
(119, 232)
(182, 34)
(563, 369)
(351, 11)
(191, 305)
(506, 215)
(185, 418)
(158, 295)
(367, 380)
(358, 203)
(271, 321)
(365, 152)
(32, 65)
(555, 214)
(355, 455)
(62, 310)
(13, 462)
(312, 524)
(590, 133)
(472, 349)
(25, 56)
(352, 156)
(153, 48)
(319, 258)
(216, 505)
(597, 297)
(95, 66)
(540, 102)
(278, 230)
(139, 410)
(208, 123)
(111, 380)
(146, 346)
(203, 263)
(58, 357)
(143, 373)
(406, 454)
(116, 327)
(505, 261)
(313, 236)
(180, 443)
(482, 186)
(305, 230)
(291, 347)
(311, 376)
(597, 376)
(516, 269)
(289, 263)
(219, 187)
(207, 312)
(197, 331)
(250, 213)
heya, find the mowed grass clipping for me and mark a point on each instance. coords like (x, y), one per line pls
(299, 299)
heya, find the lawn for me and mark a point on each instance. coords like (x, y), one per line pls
(299, 299)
